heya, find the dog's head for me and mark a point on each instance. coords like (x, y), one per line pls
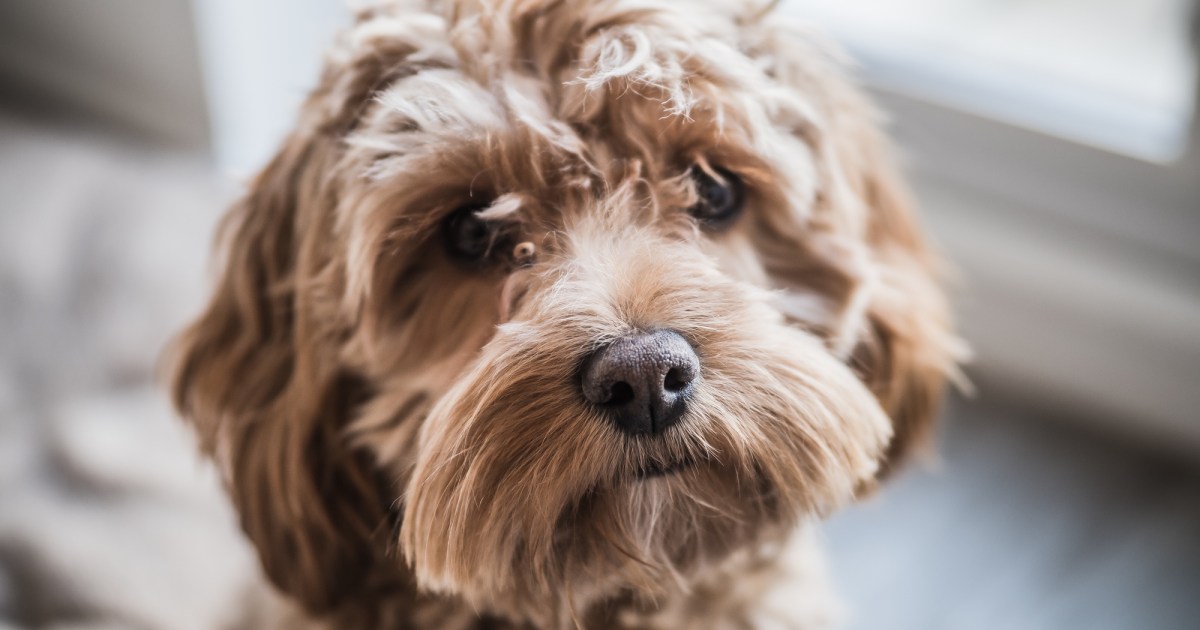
(546, 302)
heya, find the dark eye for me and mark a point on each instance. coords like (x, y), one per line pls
(468, 236)
(721, 197)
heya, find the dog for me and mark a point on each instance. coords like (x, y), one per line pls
(566, 314)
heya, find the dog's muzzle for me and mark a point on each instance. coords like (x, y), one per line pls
(642, 381)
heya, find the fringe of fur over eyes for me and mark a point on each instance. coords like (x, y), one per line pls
(402, 432)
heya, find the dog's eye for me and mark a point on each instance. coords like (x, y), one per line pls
(468, 236)
(720, 197)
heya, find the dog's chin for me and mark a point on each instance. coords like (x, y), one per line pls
(645, 529)
(648, 532)
(659, 470)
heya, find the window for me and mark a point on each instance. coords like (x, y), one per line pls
(1053, 146)
(1116, 74)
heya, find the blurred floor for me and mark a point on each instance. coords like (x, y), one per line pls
(1030, 524)
(106, 516)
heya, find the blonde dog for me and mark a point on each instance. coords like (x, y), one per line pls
(554, 314)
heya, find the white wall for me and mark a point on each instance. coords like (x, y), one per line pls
(260, 58)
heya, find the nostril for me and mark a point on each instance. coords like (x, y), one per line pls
(621, 393)
(676, 380)
(641, 381)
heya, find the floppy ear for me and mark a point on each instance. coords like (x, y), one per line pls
(260, 373)
(909, 349)
(894, 325)
(263, 390)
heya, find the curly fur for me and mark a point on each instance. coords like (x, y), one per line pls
(403, 434)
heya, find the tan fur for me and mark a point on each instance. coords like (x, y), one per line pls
(403, 434)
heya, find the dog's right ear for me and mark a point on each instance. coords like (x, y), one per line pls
(261, 385)
(259, 374)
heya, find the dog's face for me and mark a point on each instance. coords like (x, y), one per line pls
(557, 302)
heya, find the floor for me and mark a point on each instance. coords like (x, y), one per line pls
(1027, 523)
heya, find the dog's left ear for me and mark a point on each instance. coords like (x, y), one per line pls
(900, 330)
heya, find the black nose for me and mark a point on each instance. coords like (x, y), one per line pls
(642, 381)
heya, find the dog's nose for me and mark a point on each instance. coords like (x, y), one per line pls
(642, 381)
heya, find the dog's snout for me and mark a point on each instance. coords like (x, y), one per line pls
(642, 381)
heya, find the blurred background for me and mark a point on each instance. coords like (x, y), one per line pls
(1054, 147)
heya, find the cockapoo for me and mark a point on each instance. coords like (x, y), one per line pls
(553, 314)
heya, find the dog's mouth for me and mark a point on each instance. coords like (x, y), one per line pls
(653, 470)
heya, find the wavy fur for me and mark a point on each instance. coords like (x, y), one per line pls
(403, 434)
